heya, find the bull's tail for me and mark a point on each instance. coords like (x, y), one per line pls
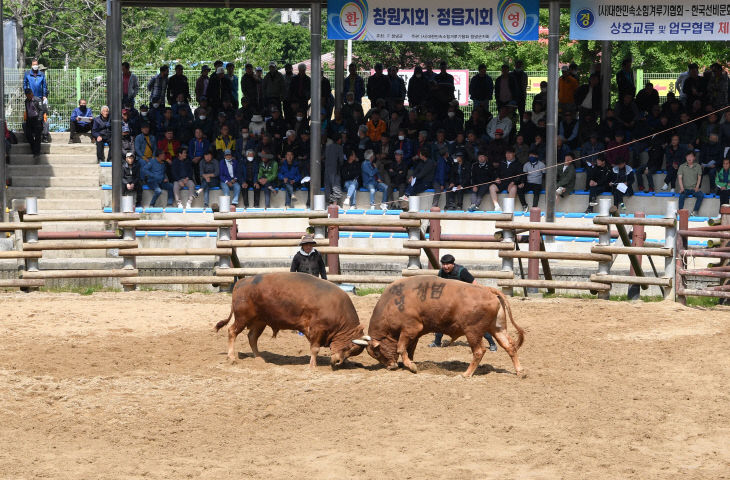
(508, 311)
(223, 323)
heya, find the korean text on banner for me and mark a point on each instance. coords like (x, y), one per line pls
(678, 20)
(431, 21)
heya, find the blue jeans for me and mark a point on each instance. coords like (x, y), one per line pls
(236, 191)
(351, 187)
(157, 188)
(438, 336)
(289, 188)
(206, 188)
(379, 187)
(691, 193)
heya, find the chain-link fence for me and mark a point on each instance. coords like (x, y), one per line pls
(66, 87)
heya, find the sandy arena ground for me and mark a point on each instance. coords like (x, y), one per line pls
(136, 385)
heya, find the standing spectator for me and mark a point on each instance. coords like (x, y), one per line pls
(417, 88)
(717, 87)
(268, 171)
(599, 176)
(308, 260)
(219, 90)
(182, 176)
(233, 79)
(349, 173)
(289, 177)
(274, 87)
(481, 88)
(540, 98)
(334, 155)
(35, 80)
(566, 179)
(567, 86)
(693, 87)
(101, 130)
(521, 83)
(130, 85)
(288, 76)
(689, 176)
(250, 90)
(622, 179)
(588, 97)
(396, 88)
(249, 177)
(627, 113)
(353, 84)
(169, 145)
(131, 182)
(625, 79)
(647, 98)
(534, 170)
(377, 86)
(178, 85)
(722, 180)
(201, 84)
(300, 89)
(209, 176)
(505, 88)
(155, 177)
(228, 171)
(157, 85)
(480, 177)
(81, 119)
(446, 87)
(372, 181)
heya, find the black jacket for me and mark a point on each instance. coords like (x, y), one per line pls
(311, 264)
(130, 173)
(424, 170)
(600, 175)
(481, 88)
(350, 171)
(459, 174)
(176, 85)
(378, 87)
(480, 173)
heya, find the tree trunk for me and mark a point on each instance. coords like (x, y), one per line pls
(20, 40)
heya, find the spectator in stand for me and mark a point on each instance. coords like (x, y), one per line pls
(588, 97)
(127, 140)
(101, 130)
(219, 90)
(627, 113)
(289, 177)
(372, 180)
(397, 171)
(274, 88)
(501, 122)
(722, 180)
(458, 179)
(693, 87)
(81, 120)
(185, 130)
(35, 80)
(169, 145)
(522, 149)
(233, 80)
(396, 88)
(248, 174)
(568, 129)
(350, 173)
(250, 90)
(725, 131)
(417, 88)
(478, 122)
(422, 176)
(717, 87)
(197, 147)
(567, 86)
(674, 156)
(228, 170)
(300, 89)
(481, 175)
(353, 84)
(521, 82)
(505, 88)
(598, 178)
(334, 155)
(268, 171)
(509, 174)
(157, 85)
(182, 177)
(276, 126)
(625, 79)
(201, 84)
(534, 169)
(145, 144)
(689, 176)
(375, 127)
(178, 85)
(442, 160)
(33, 118)
(155, 177)
(565, 178)
(540, 98)
(711, 154)
(621, 183)
(445, 82)
(591, 150)
(209, 171)
(617, 150)
(130, 85)
(378, 85)
(131, 182)
(224, 142)
(647, 98)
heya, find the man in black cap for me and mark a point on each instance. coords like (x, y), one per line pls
(451, 271)
(33, 126)
(308, 259)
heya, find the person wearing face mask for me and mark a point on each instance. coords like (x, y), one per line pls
(157, 86)
(534, 170)
(249, 177)
(81, 119)
(35, 79)
(204, 123)
(453, 123)
(101, 131)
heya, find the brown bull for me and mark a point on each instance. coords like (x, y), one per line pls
(412, 307)
(295, 301)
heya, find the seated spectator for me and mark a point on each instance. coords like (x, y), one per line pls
(131, 181)
(169, 144)
(181, 104)
(197, 147)
(458, 179)
(689, 177)
(566, 179)
(650, 162)
(81, 120)
(229, 181)
(422, 177)
(145, 143)
(397, 171)
(441, 174)
(184, 131)
(209, 176)
(276, 126)
(500, 122)
(674, 156)
(182, 176)
(127, 141)
(349, 174)
(334, 155)
(627, 113)
(617, 151)
(204, 123)
(289, 177)
(622, 179)
(372, 180)
(403, 143)
(375, 127)
(248, 173)
(453, 123)
(591, 150)
(101, 131)
(268, 171)
(534, 170)
(522, 149)
(481, 175)
(155, 177)
(711, 154)
(722, 181)
(257, 126)
(167, 120)
(290, 144)
(224, 142)
(599, 176)
(568, 129)
(725, 131)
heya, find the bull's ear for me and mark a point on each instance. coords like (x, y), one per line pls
(360, 342)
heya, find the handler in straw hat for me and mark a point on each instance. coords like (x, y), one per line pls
(308, 259)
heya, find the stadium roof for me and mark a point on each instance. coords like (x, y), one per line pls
(255, 3)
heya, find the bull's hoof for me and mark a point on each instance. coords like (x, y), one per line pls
(466, 375)
(259, 360)
(412, 367)
(521, 374)
(232, 360)
(392, 366)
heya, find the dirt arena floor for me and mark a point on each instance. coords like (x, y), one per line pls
(137, 385)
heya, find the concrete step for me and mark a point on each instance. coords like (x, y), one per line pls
(53, 159)
(59, 170)
(53, 205)
(55, 148)
(78, 193)
(55, 181)
(56, 137)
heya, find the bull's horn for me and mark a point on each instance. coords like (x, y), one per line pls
(360, 342)
(366, 337)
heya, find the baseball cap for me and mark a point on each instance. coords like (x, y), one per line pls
(398, 152)
(205, 68)
(220, 70)
(129, 154)
(227, 152)
(259, 69)
(272, 64)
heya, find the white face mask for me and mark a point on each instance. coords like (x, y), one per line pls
(144, 114)
(244, 135)
(350, 102)
(181, 103)
(250, 159)
(155, 105)
(35, 68)
(451, 114)
(203, 117)
(299, 119)
(401, 137)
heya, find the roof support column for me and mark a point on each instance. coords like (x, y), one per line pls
(3, 168)
(605, 76)
(339, 71)
(551, 118)
(114, 86)
(315, 148)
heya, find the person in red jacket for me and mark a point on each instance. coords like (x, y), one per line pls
(169, 145)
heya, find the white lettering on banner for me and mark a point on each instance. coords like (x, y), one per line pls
(431, 21)
(461, 83)
(678, 20)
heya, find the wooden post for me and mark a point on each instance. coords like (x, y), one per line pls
(434, 235)
(637, 240)
(681, 281)
(333, 234)
(533, 264)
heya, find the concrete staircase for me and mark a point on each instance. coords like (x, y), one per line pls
(65, 177)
